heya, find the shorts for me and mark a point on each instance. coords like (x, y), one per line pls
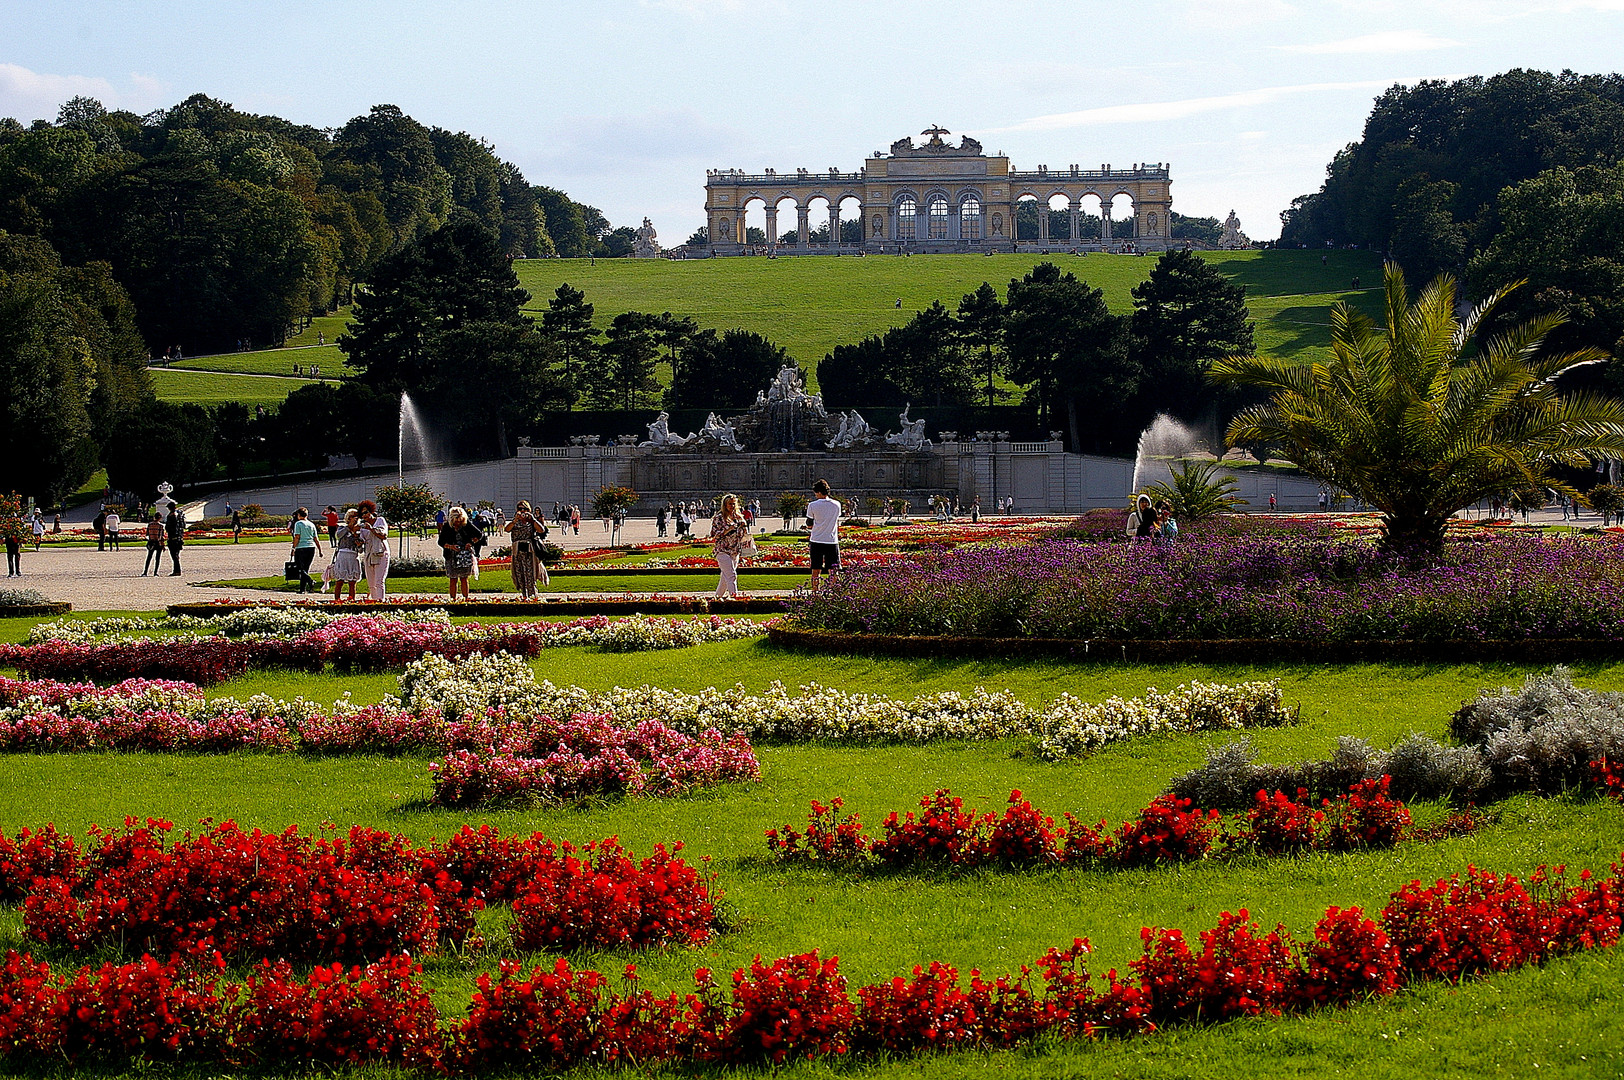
(825, 556)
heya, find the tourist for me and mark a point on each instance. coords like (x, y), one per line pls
(56, 524)
(14, 553)
(1167, 528)
(975, 510)
(1271, 502)
(526, 532)
(112, 529)
(729, 533)
(659, 522)
(38, 526)
(306, 546)
(175, 527)
(100, 527)
(1142, 521)
(375, 547)
(347, 548)
(155, 545)
(459, 540)
(824, 541)
(236, 526)
(332, 523)
(575, 519)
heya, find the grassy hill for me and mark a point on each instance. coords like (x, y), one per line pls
(810, 305)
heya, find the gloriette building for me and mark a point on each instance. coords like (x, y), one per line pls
(938, 197)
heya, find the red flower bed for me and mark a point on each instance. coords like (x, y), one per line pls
(355, 898)
(793, 1008)
(1169, 830)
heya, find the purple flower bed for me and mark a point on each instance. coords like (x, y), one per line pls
(1512, 588)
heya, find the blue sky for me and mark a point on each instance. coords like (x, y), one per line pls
(626, 103)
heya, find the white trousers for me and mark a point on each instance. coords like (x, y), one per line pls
(729, 566)
(377, 576)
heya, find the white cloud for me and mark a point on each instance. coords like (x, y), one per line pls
(31, 95)
(1385, 42)
(1154, 111)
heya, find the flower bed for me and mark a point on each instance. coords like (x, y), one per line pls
(593, 756)
(1169, 830)
(1295, 590)
(794, 1008)
(1067, 727)
(645, 604)
(361, 897)
(301, 641)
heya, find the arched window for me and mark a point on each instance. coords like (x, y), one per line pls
(970, 218)
(906, 209)
(938, 217)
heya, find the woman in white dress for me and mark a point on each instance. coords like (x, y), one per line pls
(347, 548)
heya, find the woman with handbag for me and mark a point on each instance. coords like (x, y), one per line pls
(527, 531)
(460, 540)
(306, 546)
(729, 534)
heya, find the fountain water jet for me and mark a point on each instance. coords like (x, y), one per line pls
(1159, 444)
(413, 434)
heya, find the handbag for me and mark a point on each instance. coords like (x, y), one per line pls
(290, 571)
(748, 548)
(462, 561)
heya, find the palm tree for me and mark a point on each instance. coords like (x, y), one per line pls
(1198, 491)
(1417, 421)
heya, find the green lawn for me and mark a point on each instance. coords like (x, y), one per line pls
(501, 581)
(810, 305)
(1565, 1015)
(213, 388)
(269, 362)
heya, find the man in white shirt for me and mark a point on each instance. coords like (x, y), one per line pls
(113, 523)
(824, 515)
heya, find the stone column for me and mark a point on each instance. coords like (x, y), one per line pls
(772, 224)
(800, 226)
(834, 224)
(1074, 209)
(1043, 222)
(1105, 220)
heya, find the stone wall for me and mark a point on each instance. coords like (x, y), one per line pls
(1041, 476)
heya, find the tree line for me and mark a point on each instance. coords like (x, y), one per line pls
(444, 320)
(1515, 176)
(202, 226)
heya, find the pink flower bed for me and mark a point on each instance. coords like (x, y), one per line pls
(591, 756)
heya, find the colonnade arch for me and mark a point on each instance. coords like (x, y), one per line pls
(938, 197)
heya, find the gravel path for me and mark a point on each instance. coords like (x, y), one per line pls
(94, 580)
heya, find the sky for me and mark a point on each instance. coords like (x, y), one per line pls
(625, 103)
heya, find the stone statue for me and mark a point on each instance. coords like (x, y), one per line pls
(912, 435)
(853, 431)
(719, 432)
(1233, 239)
(646, 246)
(814, 404)
(786, 386)
(659, 433)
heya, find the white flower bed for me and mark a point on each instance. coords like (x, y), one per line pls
(1067, 728)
